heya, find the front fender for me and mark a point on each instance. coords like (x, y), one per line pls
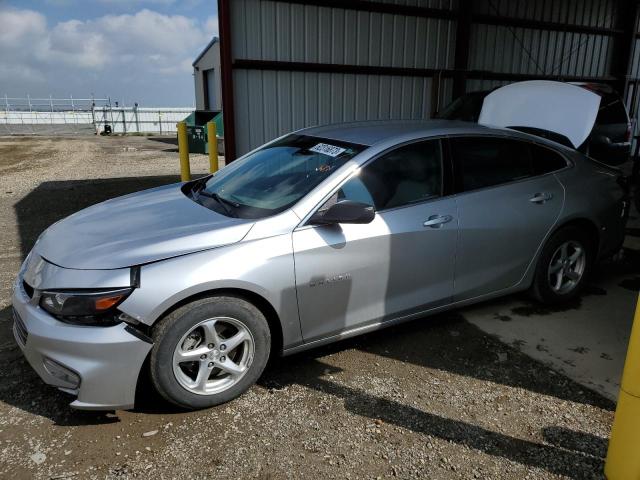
(263, 267)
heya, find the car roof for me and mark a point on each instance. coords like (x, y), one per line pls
(370, 133)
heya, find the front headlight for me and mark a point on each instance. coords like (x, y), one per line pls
(90, 307)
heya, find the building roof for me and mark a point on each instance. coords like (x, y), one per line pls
(213, 41)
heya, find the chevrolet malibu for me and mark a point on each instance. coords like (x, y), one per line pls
(320, 235)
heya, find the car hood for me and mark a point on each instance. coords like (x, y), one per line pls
(557, 107)
(138, 228)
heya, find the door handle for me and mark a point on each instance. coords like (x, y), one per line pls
(436, 221)
(541, 197)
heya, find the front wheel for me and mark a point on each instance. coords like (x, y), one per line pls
(209, 351)
(563, 266)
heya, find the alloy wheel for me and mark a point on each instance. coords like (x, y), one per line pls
(567, 267)
(213, 356)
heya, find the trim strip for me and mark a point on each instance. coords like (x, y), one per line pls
(368, 6)
(253, 64)
(249, 64)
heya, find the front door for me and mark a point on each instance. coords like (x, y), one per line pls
(350, 276)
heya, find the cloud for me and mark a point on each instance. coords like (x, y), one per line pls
(20, 26)
(140, 45)
(211, 25)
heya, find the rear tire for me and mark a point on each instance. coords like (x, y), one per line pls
(209, 351)
(563, 266)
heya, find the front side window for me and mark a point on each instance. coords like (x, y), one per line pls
(406, 175)
(487, 161)
(273, 178)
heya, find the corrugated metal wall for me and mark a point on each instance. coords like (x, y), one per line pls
(594, 13)
(502, 48)
(269, 103)
(269, 30)
(633, 88)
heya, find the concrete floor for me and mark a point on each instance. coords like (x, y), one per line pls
(587, 343)
(587, 340)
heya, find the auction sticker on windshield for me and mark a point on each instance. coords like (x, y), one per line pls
(327, 149)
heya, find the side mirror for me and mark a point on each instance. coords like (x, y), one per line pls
(345, 211)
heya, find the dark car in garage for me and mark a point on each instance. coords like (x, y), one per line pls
(610, 139)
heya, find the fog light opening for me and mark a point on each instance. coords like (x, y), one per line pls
(68, 378)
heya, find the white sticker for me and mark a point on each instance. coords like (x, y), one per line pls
(327, 149)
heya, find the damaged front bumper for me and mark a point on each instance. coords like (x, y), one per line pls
(98, 365)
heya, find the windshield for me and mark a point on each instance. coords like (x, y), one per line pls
(274, 178)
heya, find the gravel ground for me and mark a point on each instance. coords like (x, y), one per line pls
(435, 398)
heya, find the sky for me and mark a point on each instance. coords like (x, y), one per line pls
(129, 50)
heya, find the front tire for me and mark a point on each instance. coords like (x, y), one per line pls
(563, 266)
(209, 351)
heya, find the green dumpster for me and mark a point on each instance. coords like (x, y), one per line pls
(197, 129)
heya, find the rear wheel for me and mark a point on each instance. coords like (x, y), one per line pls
(563, 266)
(209, 352)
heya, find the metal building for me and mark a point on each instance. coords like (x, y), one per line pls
(288, 64)
(206, 74)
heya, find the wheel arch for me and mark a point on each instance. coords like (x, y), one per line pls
(261, 303)
(584, 224)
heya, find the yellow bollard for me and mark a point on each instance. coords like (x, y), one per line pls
(213, 147)
(183, 149)
(623, 457)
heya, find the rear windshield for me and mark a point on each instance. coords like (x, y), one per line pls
(273, 178)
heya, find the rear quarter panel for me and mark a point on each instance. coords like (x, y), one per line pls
(593, 193)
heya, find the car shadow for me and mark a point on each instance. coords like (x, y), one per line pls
(447, 342)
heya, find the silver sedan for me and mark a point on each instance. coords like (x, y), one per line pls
(320, 235)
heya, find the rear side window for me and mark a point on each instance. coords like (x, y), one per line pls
(611, 111)
(484, 161)
(406, 175)
(546, 160)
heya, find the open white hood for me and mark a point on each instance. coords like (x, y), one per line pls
(557, 107)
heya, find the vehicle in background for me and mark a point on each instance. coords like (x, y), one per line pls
(610, 139)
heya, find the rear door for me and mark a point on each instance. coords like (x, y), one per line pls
(507, 202)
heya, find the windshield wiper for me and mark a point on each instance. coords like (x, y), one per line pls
(222, 201)
(199, 184)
